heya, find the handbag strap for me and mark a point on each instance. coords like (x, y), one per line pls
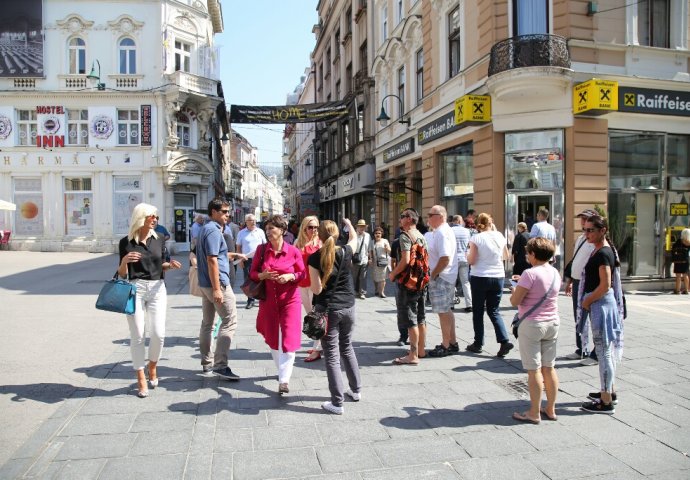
(578, 249)
(541, 300)
(361, 245)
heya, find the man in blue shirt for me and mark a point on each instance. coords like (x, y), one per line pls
(213, 266)
(542, 228)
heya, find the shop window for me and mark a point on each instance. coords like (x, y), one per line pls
(128, 56)
(454, 42)
(678, 153)
(184, 128)
(183, 56)
(530, 17)
(78, 207)
(127, 194)
(28, 218)
(27, 127)
(635, 160)
(77, 127)
(77, 56)
(128, 127)
(534, 160)
(457, 172)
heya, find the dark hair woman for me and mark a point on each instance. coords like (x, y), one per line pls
(280, 314)
(331, 282)
(600, 302)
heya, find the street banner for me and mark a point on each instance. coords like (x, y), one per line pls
(312, 112)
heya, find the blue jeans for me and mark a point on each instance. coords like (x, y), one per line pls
(486, 294)
(607, 366)
(578, 339)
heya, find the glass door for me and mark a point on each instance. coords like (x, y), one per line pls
(184, 216)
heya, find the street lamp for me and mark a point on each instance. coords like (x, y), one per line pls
(97, 78)
(383, 116)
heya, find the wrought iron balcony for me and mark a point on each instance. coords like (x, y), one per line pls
(538, 50)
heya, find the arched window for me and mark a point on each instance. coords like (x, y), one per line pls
(128, 56)
(184, 129)
(77, 56)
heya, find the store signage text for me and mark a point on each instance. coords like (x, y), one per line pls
(647, 100)
(679, 209)
(595, 97)
(146, 125)
(398, 150)
(46, 110)
(56, 160)
(348, 183)
(472, 110)
(437, 129)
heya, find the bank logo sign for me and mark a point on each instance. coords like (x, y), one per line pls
(660, 102)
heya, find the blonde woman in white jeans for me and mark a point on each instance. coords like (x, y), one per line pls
(143, 259)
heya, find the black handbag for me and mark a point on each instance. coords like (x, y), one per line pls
(316, 322)
(254, 289)
(117, 296)
(515, 324)
(357, 256)
(568, 270)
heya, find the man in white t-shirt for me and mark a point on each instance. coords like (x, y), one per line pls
(247, 240)
(462, 241)
(444, 272)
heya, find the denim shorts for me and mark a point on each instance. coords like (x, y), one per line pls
(442, 295)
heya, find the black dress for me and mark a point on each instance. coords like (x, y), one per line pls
(519, 253)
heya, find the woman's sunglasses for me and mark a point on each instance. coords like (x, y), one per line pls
(312, 227)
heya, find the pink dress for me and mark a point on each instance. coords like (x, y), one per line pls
(281, 311)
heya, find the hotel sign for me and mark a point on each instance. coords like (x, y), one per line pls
(660, 102)
(398, 150)
(595, 97)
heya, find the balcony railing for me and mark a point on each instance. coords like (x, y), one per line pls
(194, 83)
(538, 50)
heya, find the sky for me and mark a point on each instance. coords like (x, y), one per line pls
(264, 51)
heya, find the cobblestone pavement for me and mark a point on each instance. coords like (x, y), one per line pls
(70, 410)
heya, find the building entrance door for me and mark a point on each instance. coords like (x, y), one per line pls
(184, 216)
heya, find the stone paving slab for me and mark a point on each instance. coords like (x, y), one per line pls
(446, 418)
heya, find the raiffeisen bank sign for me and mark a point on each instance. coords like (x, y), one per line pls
(660, 102)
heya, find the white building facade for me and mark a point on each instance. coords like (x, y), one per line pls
(81, 146)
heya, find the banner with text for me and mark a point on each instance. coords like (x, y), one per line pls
(312, 112)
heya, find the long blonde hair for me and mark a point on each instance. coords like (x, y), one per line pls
(139, 215)
(328, 233)
(302, 238)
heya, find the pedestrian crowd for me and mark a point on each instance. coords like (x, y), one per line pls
(319, 266)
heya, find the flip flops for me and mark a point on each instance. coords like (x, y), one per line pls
(522, 417)
(313, 359)
(404, 361)
(545, 415)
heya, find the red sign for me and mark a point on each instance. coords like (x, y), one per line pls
(146, 125)
(44, 109)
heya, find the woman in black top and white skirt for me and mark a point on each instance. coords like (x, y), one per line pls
(143, 259)
(331, 282)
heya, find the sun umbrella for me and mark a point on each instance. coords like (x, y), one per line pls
(4, 205)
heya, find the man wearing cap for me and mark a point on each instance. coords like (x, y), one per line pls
(583, 250)
(360, 260)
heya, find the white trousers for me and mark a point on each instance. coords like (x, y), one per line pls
(151, 304)
(285, 361)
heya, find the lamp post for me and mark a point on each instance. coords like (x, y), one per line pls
(383, 116)
(92, 75)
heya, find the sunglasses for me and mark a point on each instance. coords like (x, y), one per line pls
(590, 230)
(312, 227)
(433, 214)
(404, 215)
(153, 215)
(225, 211)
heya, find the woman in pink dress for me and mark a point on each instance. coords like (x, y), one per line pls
(279, 319)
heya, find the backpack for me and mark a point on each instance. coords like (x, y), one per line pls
(679, 253)
(416, 275)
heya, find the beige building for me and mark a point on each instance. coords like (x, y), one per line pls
(532, 133)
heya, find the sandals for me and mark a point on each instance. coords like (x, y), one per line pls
(547, 416)
(311, 358)
(522, 417)
(404, 361)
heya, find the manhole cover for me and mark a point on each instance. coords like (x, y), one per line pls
(518, 388)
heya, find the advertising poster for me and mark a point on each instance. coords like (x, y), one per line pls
(21, 42)
(29, 214)
(127, 195)
(78, 218)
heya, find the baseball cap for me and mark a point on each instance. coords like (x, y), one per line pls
(587, 213)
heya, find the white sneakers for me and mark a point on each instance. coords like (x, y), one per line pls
(588, 361)
(329, 407)
(356, 397)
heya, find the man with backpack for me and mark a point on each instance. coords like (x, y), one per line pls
(411, 273)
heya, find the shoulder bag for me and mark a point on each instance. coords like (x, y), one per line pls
(117, 296)
(254, 289)
(516, 319)
(316, 322)
(568, 270)
(357, 256)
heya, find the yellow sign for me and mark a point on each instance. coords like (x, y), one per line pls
(679, 209)
(630, 218)
(595, 97)
(472, 109)
(399, 198)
